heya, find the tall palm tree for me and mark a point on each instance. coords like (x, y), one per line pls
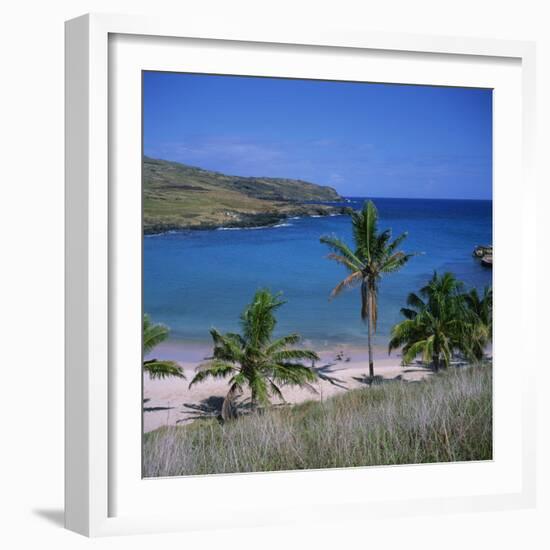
(434, 325)
(254, 360)
(153, 335)
(375, 255)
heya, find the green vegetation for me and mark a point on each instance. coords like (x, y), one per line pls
(153, 335)
(447, 417)
(254, 360)
(479, 321)
(375, 255)
(441, 321)
(177, 196)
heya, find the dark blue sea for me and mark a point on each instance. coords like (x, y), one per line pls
(195, 280)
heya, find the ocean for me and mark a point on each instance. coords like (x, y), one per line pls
(195, 280)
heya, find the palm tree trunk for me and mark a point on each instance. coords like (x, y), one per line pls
(435, 359)
(371, 361)
(253, 403)
(366, 297)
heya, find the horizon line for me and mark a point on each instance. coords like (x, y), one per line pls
(415, 198)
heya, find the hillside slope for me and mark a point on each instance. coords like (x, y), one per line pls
(177, 196)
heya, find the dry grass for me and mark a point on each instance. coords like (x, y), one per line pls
(447, 417)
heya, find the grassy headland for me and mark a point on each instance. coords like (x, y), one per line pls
(177, 196)
(447, 417)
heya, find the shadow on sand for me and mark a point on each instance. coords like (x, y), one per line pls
(325, 373)
(377, 379)
(211, 407)
(154, 409)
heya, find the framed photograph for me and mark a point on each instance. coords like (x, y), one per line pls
(296, 275)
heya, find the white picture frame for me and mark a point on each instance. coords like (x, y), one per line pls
(101, 498)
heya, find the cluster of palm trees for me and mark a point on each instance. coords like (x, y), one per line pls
(440, 321)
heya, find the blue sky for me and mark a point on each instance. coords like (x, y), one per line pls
(378, 140)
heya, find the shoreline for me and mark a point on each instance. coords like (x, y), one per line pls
(170, 402)
(186, 351)
(242, 220)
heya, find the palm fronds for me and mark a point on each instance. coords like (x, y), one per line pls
(442, 320)
(153, 335)
(254, 359)
(161, 369)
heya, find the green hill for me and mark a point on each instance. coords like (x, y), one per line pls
(178, 196)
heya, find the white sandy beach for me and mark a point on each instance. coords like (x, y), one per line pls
(171, 402)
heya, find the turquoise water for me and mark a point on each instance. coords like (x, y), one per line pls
(194, 280)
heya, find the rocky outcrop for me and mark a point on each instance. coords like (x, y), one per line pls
(484, 254)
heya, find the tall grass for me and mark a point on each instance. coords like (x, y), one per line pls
(447, 417)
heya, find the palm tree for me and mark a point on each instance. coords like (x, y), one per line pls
(154, 334)
(479, 321)
(254, 360)
(375, 255)
(434, 325)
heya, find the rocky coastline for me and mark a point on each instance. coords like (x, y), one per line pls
(248, 220)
